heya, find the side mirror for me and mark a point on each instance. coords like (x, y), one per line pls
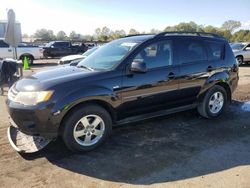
(52, 46)
(138, 67)
(247, 48)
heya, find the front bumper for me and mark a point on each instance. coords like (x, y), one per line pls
(23, 143)
(34, 121)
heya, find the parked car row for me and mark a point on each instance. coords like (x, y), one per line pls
(30, 51)
(52, 49)
(241, 51)
(75, 59)
(63, 48)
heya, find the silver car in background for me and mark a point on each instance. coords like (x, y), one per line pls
(75, 59)
(241, 51)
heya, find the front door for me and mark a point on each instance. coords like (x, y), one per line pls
(158, 87)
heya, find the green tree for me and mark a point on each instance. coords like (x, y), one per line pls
(103, 34)
(44, 34)
(211, 29)
(118, 34)
(155, 31)
(133, 32)
(241, 35)
(61, 35)
(183, 26)
(73, 35)
(231, 25)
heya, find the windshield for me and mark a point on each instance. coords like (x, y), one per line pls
(90, 51)
(49, 44)
(109, 55)
(237, 46)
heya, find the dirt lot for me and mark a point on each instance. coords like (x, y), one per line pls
(179, 150)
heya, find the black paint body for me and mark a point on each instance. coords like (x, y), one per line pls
(121, 92)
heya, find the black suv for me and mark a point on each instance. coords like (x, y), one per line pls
(128, 79)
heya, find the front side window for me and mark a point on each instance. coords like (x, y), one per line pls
(155, 55)
(191, 51)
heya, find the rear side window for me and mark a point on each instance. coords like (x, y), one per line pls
(215, 50)
(3, 44)
(62, 44)
(191, 51)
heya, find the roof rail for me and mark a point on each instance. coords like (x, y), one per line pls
(134, 35)
(201, 34)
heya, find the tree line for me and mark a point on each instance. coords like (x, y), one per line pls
(227, 30)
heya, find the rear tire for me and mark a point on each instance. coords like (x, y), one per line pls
(86, 128)
(240, 60)
(213, 103)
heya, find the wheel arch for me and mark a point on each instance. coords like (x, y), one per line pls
(26, 54)
(225, 85)
(98, 102)
(240, 55)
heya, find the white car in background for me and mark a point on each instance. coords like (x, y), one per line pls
(23, 50)
(241, 51)
(75, 59)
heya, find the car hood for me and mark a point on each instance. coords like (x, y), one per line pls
(47, 79)
(71, 57)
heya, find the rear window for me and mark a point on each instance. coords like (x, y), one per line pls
(61, 44)
(191, 51)
(215, 50)
(3, 44)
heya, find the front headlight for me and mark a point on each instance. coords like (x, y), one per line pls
(30, 97)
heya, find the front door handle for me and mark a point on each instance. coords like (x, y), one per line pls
(9, 50)
(171, 75)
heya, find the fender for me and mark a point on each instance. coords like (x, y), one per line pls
(217, 78)
(85, 94)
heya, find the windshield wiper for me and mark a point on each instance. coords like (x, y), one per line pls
(85, 67)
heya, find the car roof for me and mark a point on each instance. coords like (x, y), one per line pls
(144, 37)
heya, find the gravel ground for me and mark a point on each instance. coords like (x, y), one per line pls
(179, 150)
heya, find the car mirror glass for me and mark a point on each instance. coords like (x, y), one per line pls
(138, 67)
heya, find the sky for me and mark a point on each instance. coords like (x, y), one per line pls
(84, 16)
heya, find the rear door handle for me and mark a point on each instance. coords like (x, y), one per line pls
(171, 75)
(210, 68)
(9, 50)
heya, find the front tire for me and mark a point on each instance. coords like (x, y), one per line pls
(213, 103)
(86, 128)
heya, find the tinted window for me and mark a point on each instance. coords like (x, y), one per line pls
(191, 51)
(156, 55)
(61, 44)
(3, 44)
(215, 50)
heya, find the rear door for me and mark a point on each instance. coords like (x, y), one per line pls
(5, 50)
(158, 87)
(198, 60)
